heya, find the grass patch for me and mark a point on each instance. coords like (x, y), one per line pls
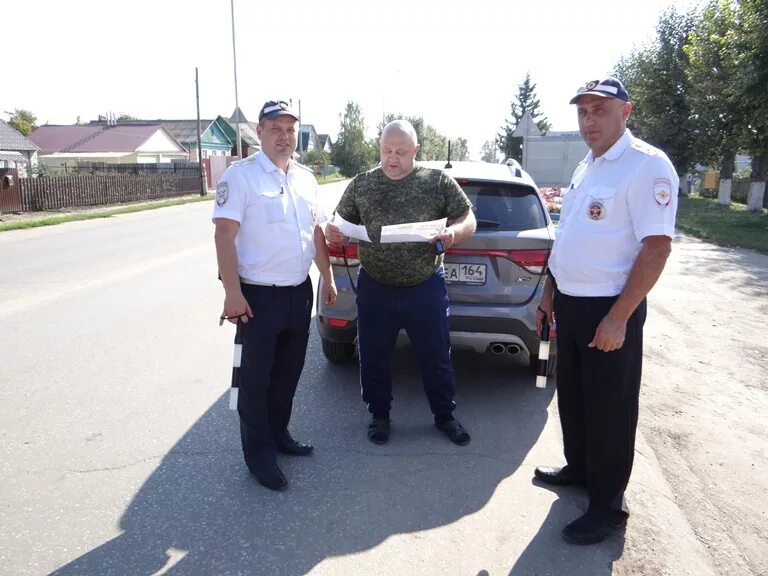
(48, 219)
(724, 225)
(330, 179)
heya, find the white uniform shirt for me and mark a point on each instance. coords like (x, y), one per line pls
(277, 213)
(614, 201)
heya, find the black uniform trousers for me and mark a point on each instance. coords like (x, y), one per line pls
(274, 348)
(598, 395)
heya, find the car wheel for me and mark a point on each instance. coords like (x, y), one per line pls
(338, 351)
(551, 365)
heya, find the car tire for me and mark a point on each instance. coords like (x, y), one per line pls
(551, 365)
(338, 351)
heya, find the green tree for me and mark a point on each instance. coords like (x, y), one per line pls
(124, 117)
(316, 157)
(511, 146)
(713, 92)
(656, 80)
(459, 149)
(752, 45)
(23, 121)
(352, 153)
(489, 153)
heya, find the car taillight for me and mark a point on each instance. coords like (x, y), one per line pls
(338, 253)
(534, 261)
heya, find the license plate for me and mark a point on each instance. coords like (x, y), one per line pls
(464, 273)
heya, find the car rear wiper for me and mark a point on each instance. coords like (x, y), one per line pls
(488, 223)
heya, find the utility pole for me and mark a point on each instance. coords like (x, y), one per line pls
(237, 105)
(203, 187)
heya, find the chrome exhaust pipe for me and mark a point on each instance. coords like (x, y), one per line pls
(497, 348)
(512, 349)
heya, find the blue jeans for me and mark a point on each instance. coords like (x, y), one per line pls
(423, 312)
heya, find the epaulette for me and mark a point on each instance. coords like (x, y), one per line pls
(244, 161)
(644, 147)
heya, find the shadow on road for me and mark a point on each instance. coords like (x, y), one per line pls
(548, 553)
(201, 513)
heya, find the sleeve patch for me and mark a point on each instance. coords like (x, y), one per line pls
(222, 193)
(662, 191)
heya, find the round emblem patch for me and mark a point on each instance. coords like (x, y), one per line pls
(596, 210)
(222, 193)
(592, 84)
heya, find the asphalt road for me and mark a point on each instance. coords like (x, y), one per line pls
(119, 455)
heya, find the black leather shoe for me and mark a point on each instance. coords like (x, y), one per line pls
(558, 476)
(590, 528)
(290, 446)
(272, 478)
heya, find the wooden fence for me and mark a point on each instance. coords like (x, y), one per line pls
(50, 193)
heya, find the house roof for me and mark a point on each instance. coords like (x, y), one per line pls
(322, 138)
(94, 137)
(247, 132)
(11, 139)
(185, 131)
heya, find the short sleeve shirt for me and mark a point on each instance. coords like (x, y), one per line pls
(277, 212)
(375, 200)
(613, 203)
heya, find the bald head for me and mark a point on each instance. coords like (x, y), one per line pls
(398, 149)
(402, 127)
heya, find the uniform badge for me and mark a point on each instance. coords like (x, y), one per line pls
(222, 193)
(662, 191)
(596, 210)
(591, 84)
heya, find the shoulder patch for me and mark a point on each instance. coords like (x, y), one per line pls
(222, 193)
(662, 191)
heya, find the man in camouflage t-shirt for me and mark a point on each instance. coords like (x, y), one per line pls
(401, 285)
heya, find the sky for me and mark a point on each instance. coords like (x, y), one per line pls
(456, 64)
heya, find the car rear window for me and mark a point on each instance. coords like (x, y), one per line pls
(505, 206)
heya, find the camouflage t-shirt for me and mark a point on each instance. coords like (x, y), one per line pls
(375, 200)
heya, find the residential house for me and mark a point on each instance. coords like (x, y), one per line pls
(324, 142)
(123, 143)
(214, 140)
(307, 139)
(16, 151)
(250, 139)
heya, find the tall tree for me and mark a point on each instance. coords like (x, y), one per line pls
(752, 43)
(713, 92)
(459, 149)
(352, 153)
(656, 80)
(511, 146)
(23, 121)
(488, 153)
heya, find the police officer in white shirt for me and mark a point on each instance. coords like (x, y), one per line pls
(614, 237)
(267, 217)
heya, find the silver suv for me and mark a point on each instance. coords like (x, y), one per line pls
(494, 278)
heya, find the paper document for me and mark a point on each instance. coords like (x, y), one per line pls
(412, 232)
(348, 229)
